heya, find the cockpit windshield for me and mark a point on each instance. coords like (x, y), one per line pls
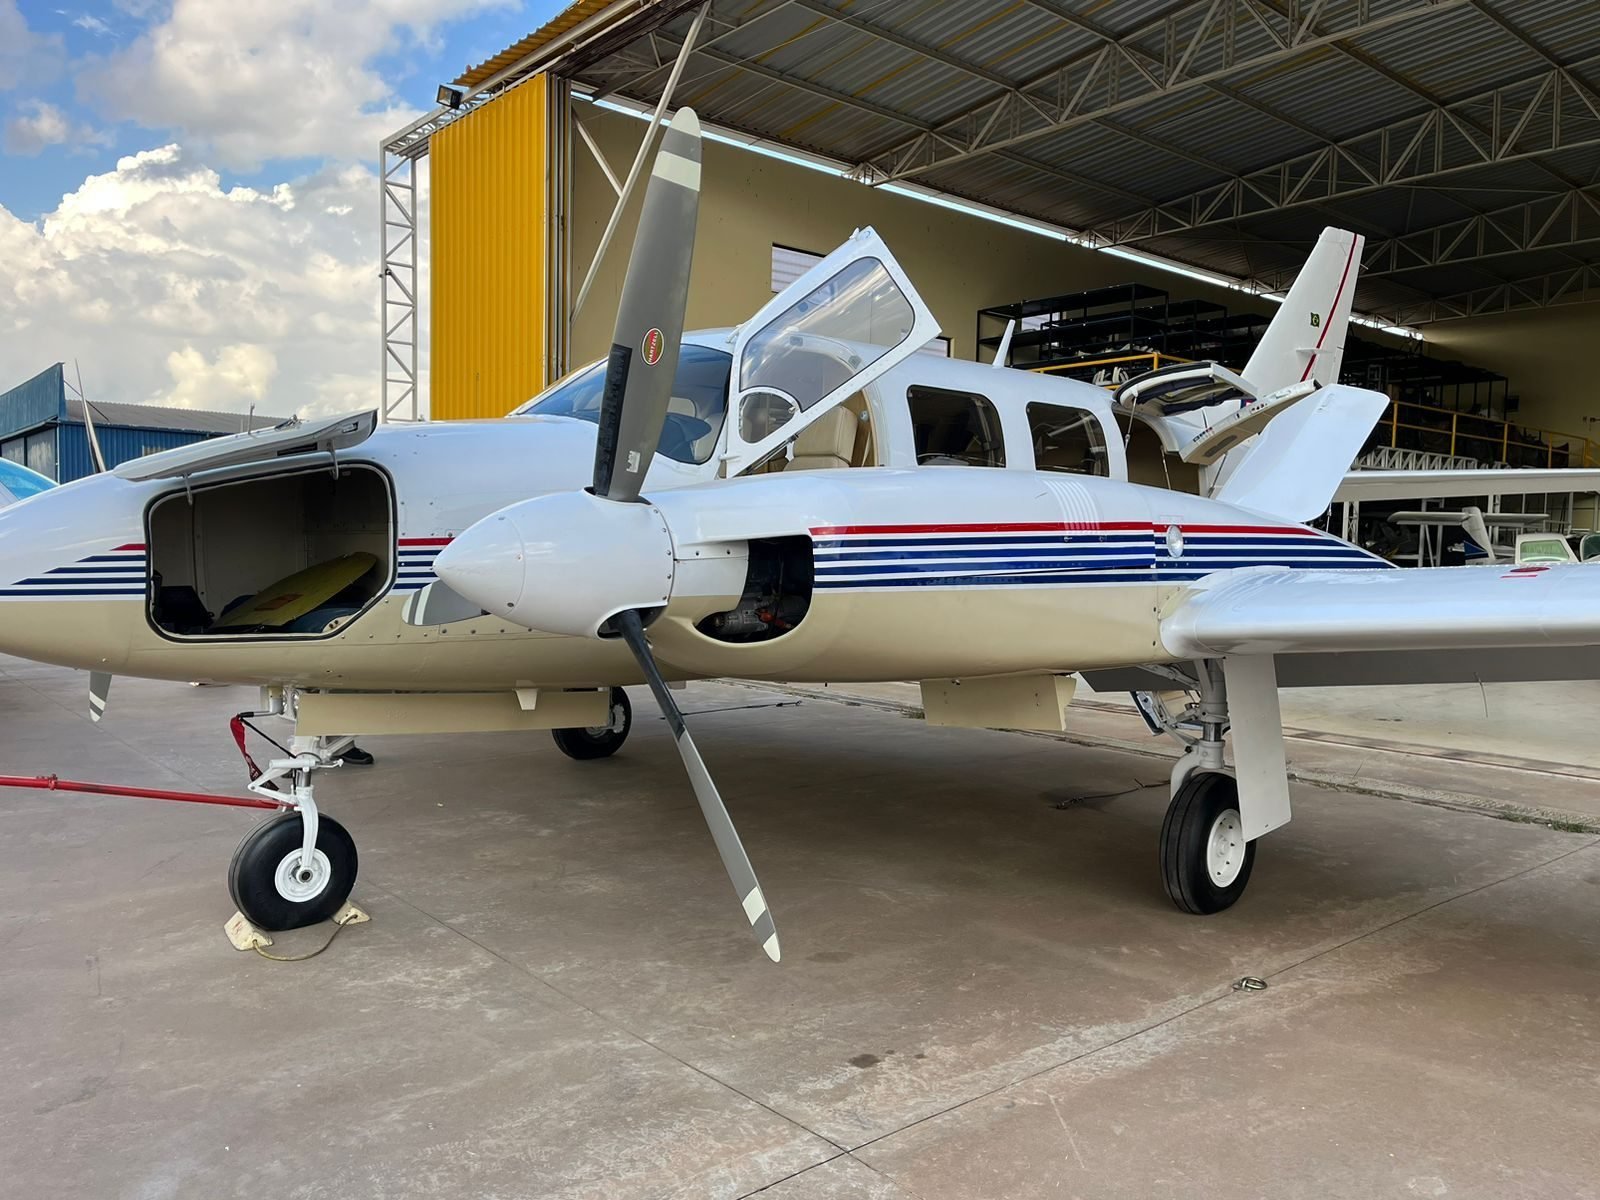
(695, 414)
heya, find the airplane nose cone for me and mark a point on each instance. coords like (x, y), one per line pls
(486, 563)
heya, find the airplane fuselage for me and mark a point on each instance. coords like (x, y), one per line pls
(923, 572)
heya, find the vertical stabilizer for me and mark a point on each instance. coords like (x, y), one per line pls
(1306, 338)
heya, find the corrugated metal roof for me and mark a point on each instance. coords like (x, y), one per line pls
(176, 420)
(923, 89)
(562, 23)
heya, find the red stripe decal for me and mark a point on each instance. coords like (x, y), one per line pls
(435, 541)
(1294, 530)
(1328, 324)
(129, 546)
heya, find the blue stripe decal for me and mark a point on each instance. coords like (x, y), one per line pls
(999, 539)
(130, 568)
(963, 552)
(69, 592)
(1059, 579)
(78, 585)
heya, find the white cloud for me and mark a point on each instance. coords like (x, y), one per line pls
(27, 59)
(168, 287)
(256, 82)
(93, 24)
(240, 373)
(41, 124)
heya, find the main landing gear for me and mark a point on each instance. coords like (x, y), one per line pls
(598, 741)
(1208, 839)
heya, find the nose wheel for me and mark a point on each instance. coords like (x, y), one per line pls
(276, 886)
(598, 741)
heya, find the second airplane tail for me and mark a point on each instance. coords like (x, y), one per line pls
(1305, 340)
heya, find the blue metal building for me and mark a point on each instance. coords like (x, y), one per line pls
(41, 426)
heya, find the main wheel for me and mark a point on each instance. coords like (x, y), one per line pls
(271, 887)
(599, 741)
(1205, 861)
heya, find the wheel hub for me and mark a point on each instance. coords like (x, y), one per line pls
(1225, 847)
(618, 719)
(299, 883)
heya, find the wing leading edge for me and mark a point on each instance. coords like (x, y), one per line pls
(1275, 611)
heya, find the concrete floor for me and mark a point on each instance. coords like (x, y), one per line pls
(984, 992)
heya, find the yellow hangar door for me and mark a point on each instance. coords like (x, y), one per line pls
(489, 181)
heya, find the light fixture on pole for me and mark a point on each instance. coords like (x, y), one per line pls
(448, 97)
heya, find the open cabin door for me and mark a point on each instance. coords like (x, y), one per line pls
(846, 321)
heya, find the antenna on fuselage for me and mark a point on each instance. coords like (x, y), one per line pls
(88, 424)
(1004, 347)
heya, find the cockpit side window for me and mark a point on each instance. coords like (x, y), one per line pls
(955, 428)
(695, 414)
(1067, 439)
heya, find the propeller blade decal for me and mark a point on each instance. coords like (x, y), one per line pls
(734, 859)
(649, 329)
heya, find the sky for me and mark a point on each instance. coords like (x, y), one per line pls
(188, 188)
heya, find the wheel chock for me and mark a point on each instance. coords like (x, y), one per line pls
(244, 935)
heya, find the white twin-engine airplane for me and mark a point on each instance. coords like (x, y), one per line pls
(805, 498)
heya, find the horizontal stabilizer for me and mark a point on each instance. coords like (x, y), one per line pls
(1300, 460)
(1470, 481)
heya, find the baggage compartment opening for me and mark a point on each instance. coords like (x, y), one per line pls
(296, 555)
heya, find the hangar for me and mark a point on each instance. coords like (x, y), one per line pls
(1460, 137)
(1112, 178)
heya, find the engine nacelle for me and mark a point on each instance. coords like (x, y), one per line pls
(563, 563)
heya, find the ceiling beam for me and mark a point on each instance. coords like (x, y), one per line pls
(1571, 285)
(1187, 49)
(1557, 222)
(1511, 123)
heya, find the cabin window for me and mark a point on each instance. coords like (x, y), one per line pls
(955, 428)
(1067, 439)
(297, 555)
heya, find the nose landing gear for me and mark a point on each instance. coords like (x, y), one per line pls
(298, 867)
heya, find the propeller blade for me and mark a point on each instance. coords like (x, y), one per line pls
(734, 859)
(436, 604)
(649, 330)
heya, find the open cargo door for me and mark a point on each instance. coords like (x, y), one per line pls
(846, 321)
(292, 437)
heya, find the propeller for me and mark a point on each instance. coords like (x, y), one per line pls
(599, 563)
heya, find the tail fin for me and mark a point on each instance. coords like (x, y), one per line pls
(1306, 338)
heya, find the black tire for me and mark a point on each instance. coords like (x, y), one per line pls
(1204, 798)
(598, 743)
(253, 874)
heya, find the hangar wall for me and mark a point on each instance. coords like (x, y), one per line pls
(487, 225)
(1546, 353)
(958, 262)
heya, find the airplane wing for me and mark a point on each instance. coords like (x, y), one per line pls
(1490, 624)
(1485, 481)
(1279, 611)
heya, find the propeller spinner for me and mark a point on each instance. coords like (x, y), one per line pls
(599, 563)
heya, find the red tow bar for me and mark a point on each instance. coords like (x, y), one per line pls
(54, 783)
